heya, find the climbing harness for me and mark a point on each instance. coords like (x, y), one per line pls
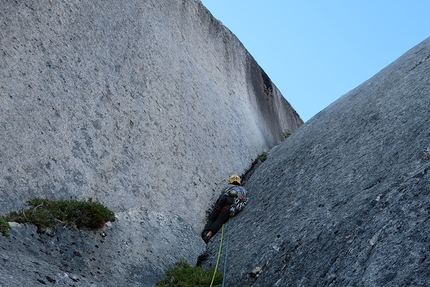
(219, 256)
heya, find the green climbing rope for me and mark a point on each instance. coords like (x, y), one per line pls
(219, 255)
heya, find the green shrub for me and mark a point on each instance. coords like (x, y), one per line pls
(286, 133)
(184, 275)
(72, 213)
(4, 226)
(261, 156)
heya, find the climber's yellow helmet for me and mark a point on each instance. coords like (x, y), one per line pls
(234, 178)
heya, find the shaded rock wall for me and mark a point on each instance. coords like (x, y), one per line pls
(145, 106)
(344, 201)
(124, 253)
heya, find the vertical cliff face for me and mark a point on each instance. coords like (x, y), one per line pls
(129, 103)
(145, 106)
(344, 201)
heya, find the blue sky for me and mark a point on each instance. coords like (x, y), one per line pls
(316, 51)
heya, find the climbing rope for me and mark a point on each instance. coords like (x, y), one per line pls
(225, 258)
(219, 255)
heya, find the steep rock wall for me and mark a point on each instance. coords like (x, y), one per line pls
(344, 201)
(145, 106)
(122, 101)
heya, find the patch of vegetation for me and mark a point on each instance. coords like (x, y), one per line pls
(286, 133)
(45, 213)
(184, 275)
(261, 156)
(4, 226)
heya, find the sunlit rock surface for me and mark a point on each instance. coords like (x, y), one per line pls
(145, 106)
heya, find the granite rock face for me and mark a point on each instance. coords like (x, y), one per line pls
(144, 106)
(345, 200)
(123, 253)
(130, 104)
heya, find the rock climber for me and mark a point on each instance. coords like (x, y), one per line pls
(231, 200)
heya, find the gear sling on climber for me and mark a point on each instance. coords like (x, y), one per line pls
(230, 202)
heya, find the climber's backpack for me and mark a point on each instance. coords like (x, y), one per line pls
(239, 202)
